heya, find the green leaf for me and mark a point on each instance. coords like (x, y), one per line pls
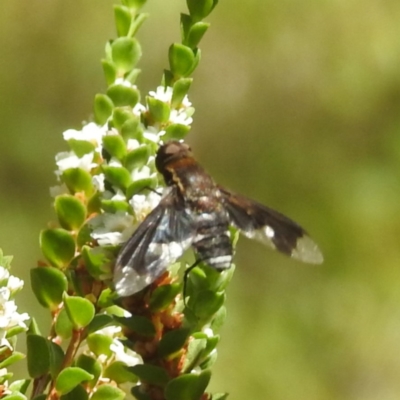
(99, 344)
(80, 310)
(122, 95)
(132, 75)
(81, 147)
(38, 355)
(56, 358)
(199, 9)
(71, 377)
(187, 387)
(114, 206)
(173, 341)
(63, 325)
(33, 327)
(179, 91)
(107, 392)
(132, 130)
(159, 110)
(137, 23)
(95, 260)
(118, 176)
(139, 186)
(110, 72)
(99, 321)
(118, 372)
(194, 354)
(77, 393)
(141, 325)
(58, 246)
(103, 108)
(20, 385)
(219, 319)
(83, 236)
(150, 374)
(138, 158)
(134, 5)
(207, 303)
(163, 296)
(122, 115)
(123, 19)
(176, 131)
(196, 33)
(181, 59)
(14, 357)
(70, 211)
(14, 396)
(126, 53)
(78, 180)
(90, 365)
(48, 285)
(115, 145)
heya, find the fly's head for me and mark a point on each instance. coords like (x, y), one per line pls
(169, 155)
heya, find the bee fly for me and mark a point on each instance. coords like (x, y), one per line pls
(195, 211)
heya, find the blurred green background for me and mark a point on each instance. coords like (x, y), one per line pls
(298, 106)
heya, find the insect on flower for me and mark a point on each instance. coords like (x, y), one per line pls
(197, 212)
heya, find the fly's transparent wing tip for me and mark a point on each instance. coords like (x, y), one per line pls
(127, 281)
(307, 251)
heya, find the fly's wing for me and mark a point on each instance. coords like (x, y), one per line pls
(160, 239)
(271, 228)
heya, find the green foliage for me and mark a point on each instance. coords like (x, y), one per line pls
(103, 108)
(80, 310)
(150, 374)
(48, 285)
(187, 387)
(70, 211)
(38, 355)
(107, 392)
(71, 377)
(58, 246)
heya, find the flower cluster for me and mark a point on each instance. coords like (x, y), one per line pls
(90, 152)
(10, 318)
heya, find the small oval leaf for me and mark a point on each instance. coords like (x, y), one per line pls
(48, 285)
(71, 377)
(70, 211)
(58, 246)
(80, 310)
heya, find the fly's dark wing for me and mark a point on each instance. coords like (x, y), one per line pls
(159, 240)
(271, 228)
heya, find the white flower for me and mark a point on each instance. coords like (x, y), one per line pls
(124, 82)
(15, 284)
(9, 317)
(180, 117)
(127, 356)
(143, 204)
(4, 274)
(142, 173)
(90, 133)
(68, 159)
(139, 109)
(57, 190)
(132, 144)
(162, 93)
(165, 94)
(114, 162)
(153, 134)
(98, 182)
(111, 229)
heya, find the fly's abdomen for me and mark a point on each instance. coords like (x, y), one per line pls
(212, 242)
